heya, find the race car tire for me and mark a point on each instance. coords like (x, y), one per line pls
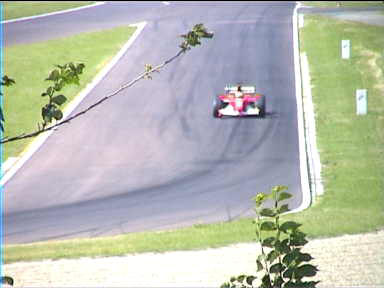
(262, 106)
(216, 112)
(217, 105)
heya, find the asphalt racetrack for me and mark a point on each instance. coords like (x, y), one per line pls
(154, 158)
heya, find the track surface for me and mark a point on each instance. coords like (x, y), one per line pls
(154, 157)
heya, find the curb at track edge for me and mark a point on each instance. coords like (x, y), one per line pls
(304, 169)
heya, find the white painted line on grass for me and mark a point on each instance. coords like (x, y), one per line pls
(35, 145)
(52, 13)
(305, 187)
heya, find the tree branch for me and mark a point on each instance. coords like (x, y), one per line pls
(191, 39)
(123, 87)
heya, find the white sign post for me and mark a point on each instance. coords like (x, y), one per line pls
(345, 49)
(361, 102)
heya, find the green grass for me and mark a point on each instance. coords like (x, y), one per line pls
(30, 64)
(325, 4)
(351, 147)
(19, 9)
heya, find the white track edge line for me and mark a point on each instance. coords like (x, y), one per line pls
(51, 13)
(305, 186)
(35, 145)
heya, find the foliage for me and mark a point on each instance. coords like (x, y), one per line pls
(6, 280)
(69, 74)
(61, 76)
(192, 38)
(281, 263)
(4, 82)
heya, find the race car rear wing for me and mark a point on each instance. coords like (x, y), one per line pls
(244, 89)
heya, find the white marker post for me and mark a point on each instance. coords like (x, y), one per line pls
(345, 49)
(361, 102)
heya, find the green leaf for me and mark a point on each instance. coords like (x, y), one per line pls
(283, 208)
(268, 226)
(259, 265)
(269, 242)
(47, 113)
(47, 119)
(276, 268)
(260, 199)
(298, 238)
(272, 256)
(276, 190)
(304, 257)
(57, 114)
(72, 66)
(54, 75)
(266, 280)
(284, 246)
(290, 257)
(306, 270)
(290, 284)
(267, 212)
(289, 225)
(6, 81)
(250, 279)
(284, 196)
(289, 273)
(59, 99)
(7, 280)
(241, 278)
(279, 246)
(79, 68)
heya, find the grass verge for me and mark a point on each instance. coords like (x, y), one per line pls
(351, 147)
(352, 150)
(326, 4)
(30, 64)
(19, 9)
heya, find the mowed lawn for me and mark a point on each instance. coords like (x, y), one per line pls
(19, 9)
(351, 146)
(30, 64)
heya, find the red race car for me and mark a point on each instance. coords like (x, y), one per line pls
(239, 101)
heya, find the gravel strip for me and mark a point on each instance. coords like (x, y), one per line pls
(350, 260)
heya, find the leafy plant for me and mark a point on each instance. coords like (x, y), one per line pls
(5, 81)
(6, 280)
(281, 264)
(61, 76)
